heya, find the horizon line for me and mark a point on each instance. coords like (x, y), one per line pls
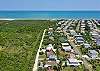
(49, 10)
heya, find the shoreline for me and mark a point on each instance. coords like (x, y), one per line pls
(11, 19)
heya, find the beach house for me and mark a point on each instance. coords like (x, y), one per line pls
(92, 54)
(73, 33)
(72, 62)
(79, 39)
(86, 45)
(52, 57)
(50, 32)
(98, 41)
(93, 33)
(66, 46)
(49, 47)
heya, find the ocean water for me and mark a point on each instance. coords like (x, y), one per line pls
(50, 14)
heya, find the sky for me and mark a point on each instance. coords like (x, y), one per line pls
(49, 5)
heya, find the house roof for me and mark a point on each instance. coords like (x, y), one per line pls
(50, 28)
(62, 39)
(73, 32)
(72, 60)
(59, 28)
(51, 63)
(86, 45)
(49, 47)
(79, 41)
(98, 41)
(78, 35)
(89, 23)
(47, 65)
(93, 33)
(93, 51)
(82, 20)
(79, 38)
(67, 48)
(60, 22)
(65, 27)
(82, 26)
(49, 53)
(52, 56)
(65, 44)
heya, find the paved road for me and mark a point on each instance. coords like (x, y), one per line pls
(78, 52)
(78, 26)
(37, 55)
(86, 64)
(96, 22)
(97, 29)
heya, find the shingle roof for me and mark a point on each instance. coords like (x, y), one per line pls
(98, 41)
(93, 51)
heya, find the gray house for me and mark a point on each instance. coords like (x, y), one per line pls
(86, 45)
(93, 54)
(66, 46)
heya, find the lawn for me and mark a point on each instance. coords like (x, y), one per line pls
(87, 37)
(81, 68)
(98, 26)
(19, 41)
(95, 64)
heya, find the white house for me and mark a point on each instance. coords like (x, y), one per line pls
(78, 36)
(86, 45)
(58, 29)
(60, 22)
(49, 47)
(94, 33)
(66, 46)
(72, 62)
(50, 29)
(82, 26)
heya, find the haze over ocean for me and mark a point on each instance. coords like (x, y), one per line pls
(51, 14)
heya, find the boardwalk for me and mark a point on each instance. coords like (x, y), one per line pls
(37, 55)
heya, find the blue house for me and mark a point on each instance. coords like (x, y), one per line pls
(79, 39)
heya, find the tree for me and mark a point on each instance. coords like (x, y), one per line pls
(94, 45)
(55, 67)
(60, 65)
(87, 28)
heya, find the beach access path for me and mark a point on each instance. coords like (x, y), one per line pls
(35, 67)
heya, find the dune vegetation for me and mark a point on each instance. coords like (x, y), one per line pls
(19, 41)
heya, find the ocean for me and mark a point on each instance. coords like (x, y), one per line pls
(50, 14)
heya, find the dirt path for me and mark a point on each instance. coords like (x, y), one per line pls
(37, 56)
